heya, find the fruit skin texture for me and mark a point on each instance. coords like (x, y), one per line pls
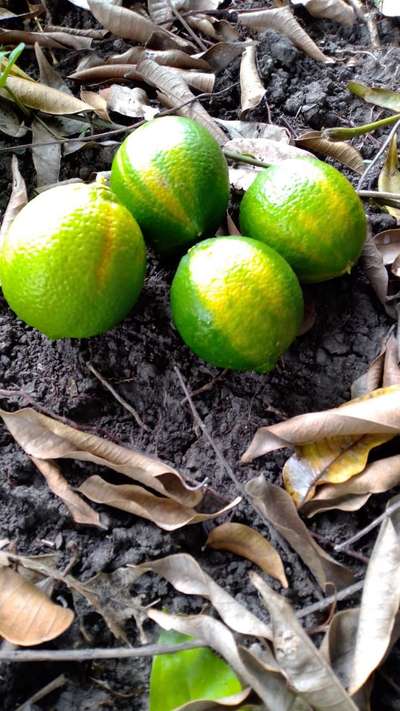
(173, 177)
(236, 303)
(310, 213)
(72, 263)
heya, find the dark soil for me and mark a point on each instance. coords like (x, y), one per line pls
(139, 357)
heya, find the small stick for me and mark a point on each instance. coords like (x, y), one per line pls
(379, 153)
(242, 158)
(326, 601)
(388, 512)
(48, 689)
(187, 27)
(118, 397)
(81, 655)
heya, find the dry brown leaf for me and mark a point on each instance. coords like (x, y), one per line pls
(306, 670)
(337, 10)
(266, 680)
(254, 129)
(161, 11)
(80, 511)
(176, 92)
(166, 57)
(10, 120)
(339, 150)
(250, 544)
(388, 244)
(377, 414)
(106, 72)
(252, 90)
(221, 54)
(263, 149)
(377, 477)
(382, 372)
(186, 575)
(55, 40)
(46, 158)
(45, 438)
(132, 25)
(379, 605)
(45, 99)
(229, 703)
(27, 616)
(281, 20)
(166, 513)
(48, 75)
(389, 177)
(18, 197)
(97, 102)
(128, 102)
(277, 506)
(376, 272)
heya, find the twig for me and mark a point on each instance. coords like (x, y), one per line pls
(337, 597)
(242, 158)
(379, 153)
(122, 129)
(81, 655)
(187, 27)
(118, 397)
(388, 512)
(48, 689)
(227, 467)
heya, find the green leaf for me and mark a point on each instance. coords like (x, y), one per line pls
(180, 677)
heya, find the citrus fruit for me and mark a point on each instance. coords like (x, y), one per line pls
(72, 263)
(236, 303)
(173, 177)
(309, 213)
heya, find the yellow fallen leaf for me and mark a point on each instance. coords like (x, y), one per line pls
(331, 461)
(44, 98)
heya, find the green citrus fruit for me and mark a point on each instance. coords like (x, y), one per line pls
(72, 263)
(309, 213)
(173, 177)
(236, 303)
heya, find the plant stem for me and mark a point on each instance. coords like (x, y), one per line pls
(242, 158)
(341, 134)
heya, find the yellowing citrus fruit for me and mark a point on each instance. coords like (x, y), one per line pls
(173, 177)
(309, 213)
(72, 263)
(236, 303)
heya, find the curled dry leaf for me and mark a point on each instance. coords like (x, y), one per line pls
(221, 54)
(252, 129)
(267, 681)
(18, 197)
(203, 82)
(389, 177)
(45, 438)
(48, 75)
(167, 57)
(164, 512)
(377, 414)
(43, 98)
(128, 102)
(377, 274)
(386, 98)
(339, 150)
(278, 508)
(46, 158)
(27, 616)
(175, 92)
(248, 543)
(281, 20)
(252, 90)
(80, 511)
(97, 102)
(161, 11)
(10, 120)
(379, 605)
(307, 671)
(55, 40)
(186, 575)
(383, 371)
(377, 477)
(337, 10)
(132, 25)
